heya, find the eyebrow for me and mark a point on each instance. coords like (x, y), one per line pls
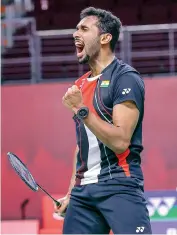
(81, 26)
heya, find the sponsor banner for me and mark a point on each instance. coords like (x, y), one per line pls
(164, 227)
(162, 205)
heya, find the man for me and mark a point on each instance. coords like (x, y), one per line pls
(106, 190)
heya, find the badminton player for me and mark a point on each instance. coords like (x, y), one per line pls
(106, 190)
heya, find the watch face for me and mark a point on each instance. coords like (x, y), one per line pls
(83, 112)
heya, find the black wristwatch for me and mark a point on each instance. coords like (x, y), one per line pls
(82, 113)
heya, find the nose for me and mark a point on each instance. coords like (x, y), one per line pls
(75, 34)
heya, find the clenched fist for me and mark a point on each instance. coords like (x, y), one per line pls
(73, 99)
(60, 210)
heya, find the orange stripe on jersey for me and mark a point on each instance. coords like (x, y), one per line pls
(123, 163)
(88, 91)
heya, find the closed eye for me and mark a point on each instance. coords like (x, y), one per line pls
(82, 28)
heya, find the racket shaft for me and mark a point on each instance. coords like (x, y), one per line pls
(57, 203)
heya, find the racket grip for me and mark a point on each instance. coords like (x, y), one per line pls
(58, 204)
(64, 213)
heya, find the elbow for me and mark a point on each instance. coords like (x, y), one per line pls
(121, 146)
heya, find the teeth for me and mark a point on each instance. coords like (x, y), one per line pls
(79, 44)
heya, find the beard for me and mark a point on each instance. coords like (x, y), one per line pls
(91, 52)
(90, 58)
(84, 60)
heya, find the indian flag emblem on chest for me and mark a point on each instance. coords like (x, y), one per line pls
(104, 84)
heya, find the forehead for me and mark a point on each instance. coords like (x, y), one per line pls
(88, 21)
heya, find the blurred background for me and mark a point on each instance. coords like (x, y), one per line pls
(38, 64)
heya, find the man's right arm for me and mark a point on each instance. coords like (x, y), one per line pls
(73, 177)
(65, 200)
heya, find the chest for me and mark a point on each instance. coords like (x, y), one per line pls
(97, 97)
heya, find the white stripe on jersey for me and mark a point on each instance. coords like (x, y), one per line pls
(94, 159)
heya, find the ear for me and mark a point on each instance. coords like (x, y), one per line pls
(105, 38)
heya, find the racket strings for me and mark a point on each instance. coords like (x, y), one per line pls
(22, 171)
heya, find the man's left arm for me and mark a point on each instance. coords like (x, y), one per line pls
(128, 100)
(117, 136)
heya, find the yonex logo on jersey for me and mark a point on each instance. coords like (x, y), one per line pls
(139, 229)
(126, 91)
(104, 84)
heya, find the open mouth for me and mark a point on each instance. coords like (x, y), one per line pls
(79, 48)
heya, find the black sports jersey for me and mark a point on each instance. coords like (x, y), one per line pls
(117, 83)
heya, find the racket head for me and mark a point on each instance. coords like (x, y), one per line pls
(22, 171)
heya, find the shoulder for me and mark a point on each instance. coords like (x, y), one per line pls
(126, 74)
(131, 77)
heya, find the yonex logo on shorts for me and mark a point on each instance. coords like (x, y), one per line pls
(139, 229)
(126, 91)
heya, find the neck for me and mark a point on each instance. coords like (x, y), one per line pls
(100, 63)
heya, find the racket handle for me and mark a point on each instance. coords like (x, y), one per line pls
(58, 204)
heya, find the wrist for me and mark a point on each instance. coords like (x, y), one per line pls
(68, 195)
(71, 186)
(75, 109)
(82, 113)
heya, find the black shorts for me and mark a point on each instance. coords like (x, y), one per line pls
(104, 206)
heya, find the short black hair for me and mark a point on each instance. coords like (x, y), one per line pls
(107, 22)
